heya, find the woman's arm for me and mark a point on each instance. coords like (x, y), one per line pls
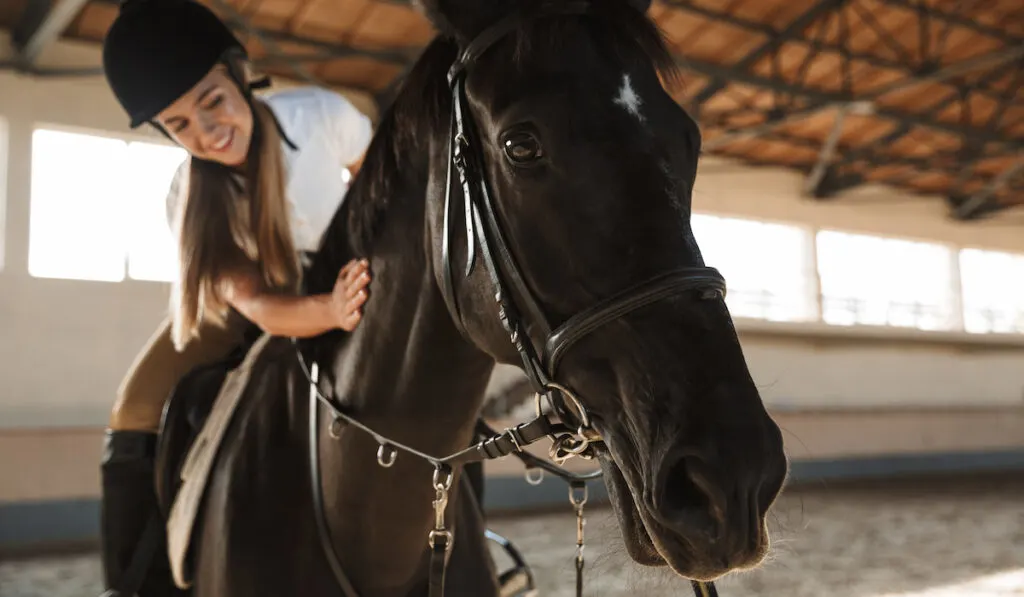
(301, 316)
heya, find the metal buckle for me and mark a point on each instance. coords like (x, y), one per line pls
(434, 535)
(515, 434)
(441, 487)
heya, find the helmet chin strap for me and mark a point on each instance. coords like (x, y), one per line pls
(277, 123)
(262, 82)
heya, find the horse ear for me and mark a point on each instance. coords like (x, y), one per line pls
(462, 19)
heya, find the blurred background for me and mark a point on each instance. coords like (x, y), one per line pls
(860, 190)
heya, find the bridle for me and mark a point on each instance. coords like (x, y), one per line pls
(573, 434)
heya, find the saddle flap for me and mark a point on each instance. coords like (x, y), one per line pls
(185, 412)
(189, 451)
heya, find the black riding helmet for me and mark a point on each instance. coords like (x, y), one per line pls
(157, 50)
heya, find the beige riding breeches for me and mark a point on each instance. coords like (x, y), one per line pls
(157, 369)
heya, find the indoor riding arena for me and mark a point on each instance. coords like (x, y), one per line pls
(860, 187)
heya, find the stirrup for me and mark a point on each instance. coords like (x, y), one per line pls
(517, 581)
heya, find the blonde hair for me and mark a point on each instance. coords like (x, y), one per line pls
(224, 228)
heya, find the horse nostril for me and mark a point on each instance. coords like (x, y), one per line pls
(685, 500)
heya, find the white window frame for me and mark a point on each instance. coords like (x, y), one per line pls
(803, 312)
(947, 315)
(1017, 327)
(128, 139)
(161, 215)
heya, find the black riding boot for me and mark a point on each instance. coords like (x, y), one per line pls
(133, 539)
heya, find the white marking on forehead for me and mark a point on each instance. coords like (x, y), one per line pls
(628, 98)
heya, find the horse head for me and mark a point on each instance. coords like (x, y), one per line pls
(563, 181)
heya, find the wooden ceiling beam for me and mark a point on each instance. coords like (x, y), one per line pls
(323, 50)
(940, 160)
(41, 24)
(773, 122)
(815, 47)
(956, 19)
(972, 154)
(817, 99)
(984, 200)
(827, 153)
(794, 29)
(236, 19)
(903, 129)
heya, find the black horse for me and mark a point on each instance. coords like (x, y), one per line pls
(571, 198)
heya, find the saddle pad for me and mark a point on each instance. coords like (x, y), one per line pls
(196, 469)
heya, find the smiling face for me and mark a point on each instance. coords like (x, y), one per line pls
(212, 121)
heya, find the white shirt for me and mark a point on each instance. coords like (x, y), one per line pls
(330, 133)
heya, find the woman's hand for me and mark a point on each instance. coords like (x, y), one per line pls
(301, 316)
(349, 294)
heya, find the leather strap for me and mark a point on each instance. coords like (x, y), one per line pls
(463, 152)
(512, 441)
(438, 564)
(319, 512)
(626, 301)
(531, 461)
(468, 167)
(447, 276)
(579, 577)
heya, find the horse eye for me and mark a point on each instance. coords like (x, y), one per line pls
(522, 148)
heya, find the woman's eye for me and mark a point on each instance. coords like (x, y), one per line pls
(522, 148)
(213, 104)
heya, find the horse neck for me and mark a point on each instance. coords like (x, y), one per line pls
(406, 361)
(408, 374)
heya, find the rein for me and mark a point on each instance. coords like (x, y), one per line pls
(573, 434)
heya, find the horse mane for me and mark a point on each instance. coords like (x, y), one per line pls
(405, 127)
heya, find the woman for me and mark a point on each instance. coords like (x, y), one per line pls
(263, 180)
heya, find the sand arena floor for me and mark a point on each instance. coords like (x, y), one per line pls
(961, 537)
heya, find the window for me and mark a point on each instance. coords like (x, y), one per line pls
(881, 281)
(97, 207)
(150, 245)
(993, 291)
(765, 265)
